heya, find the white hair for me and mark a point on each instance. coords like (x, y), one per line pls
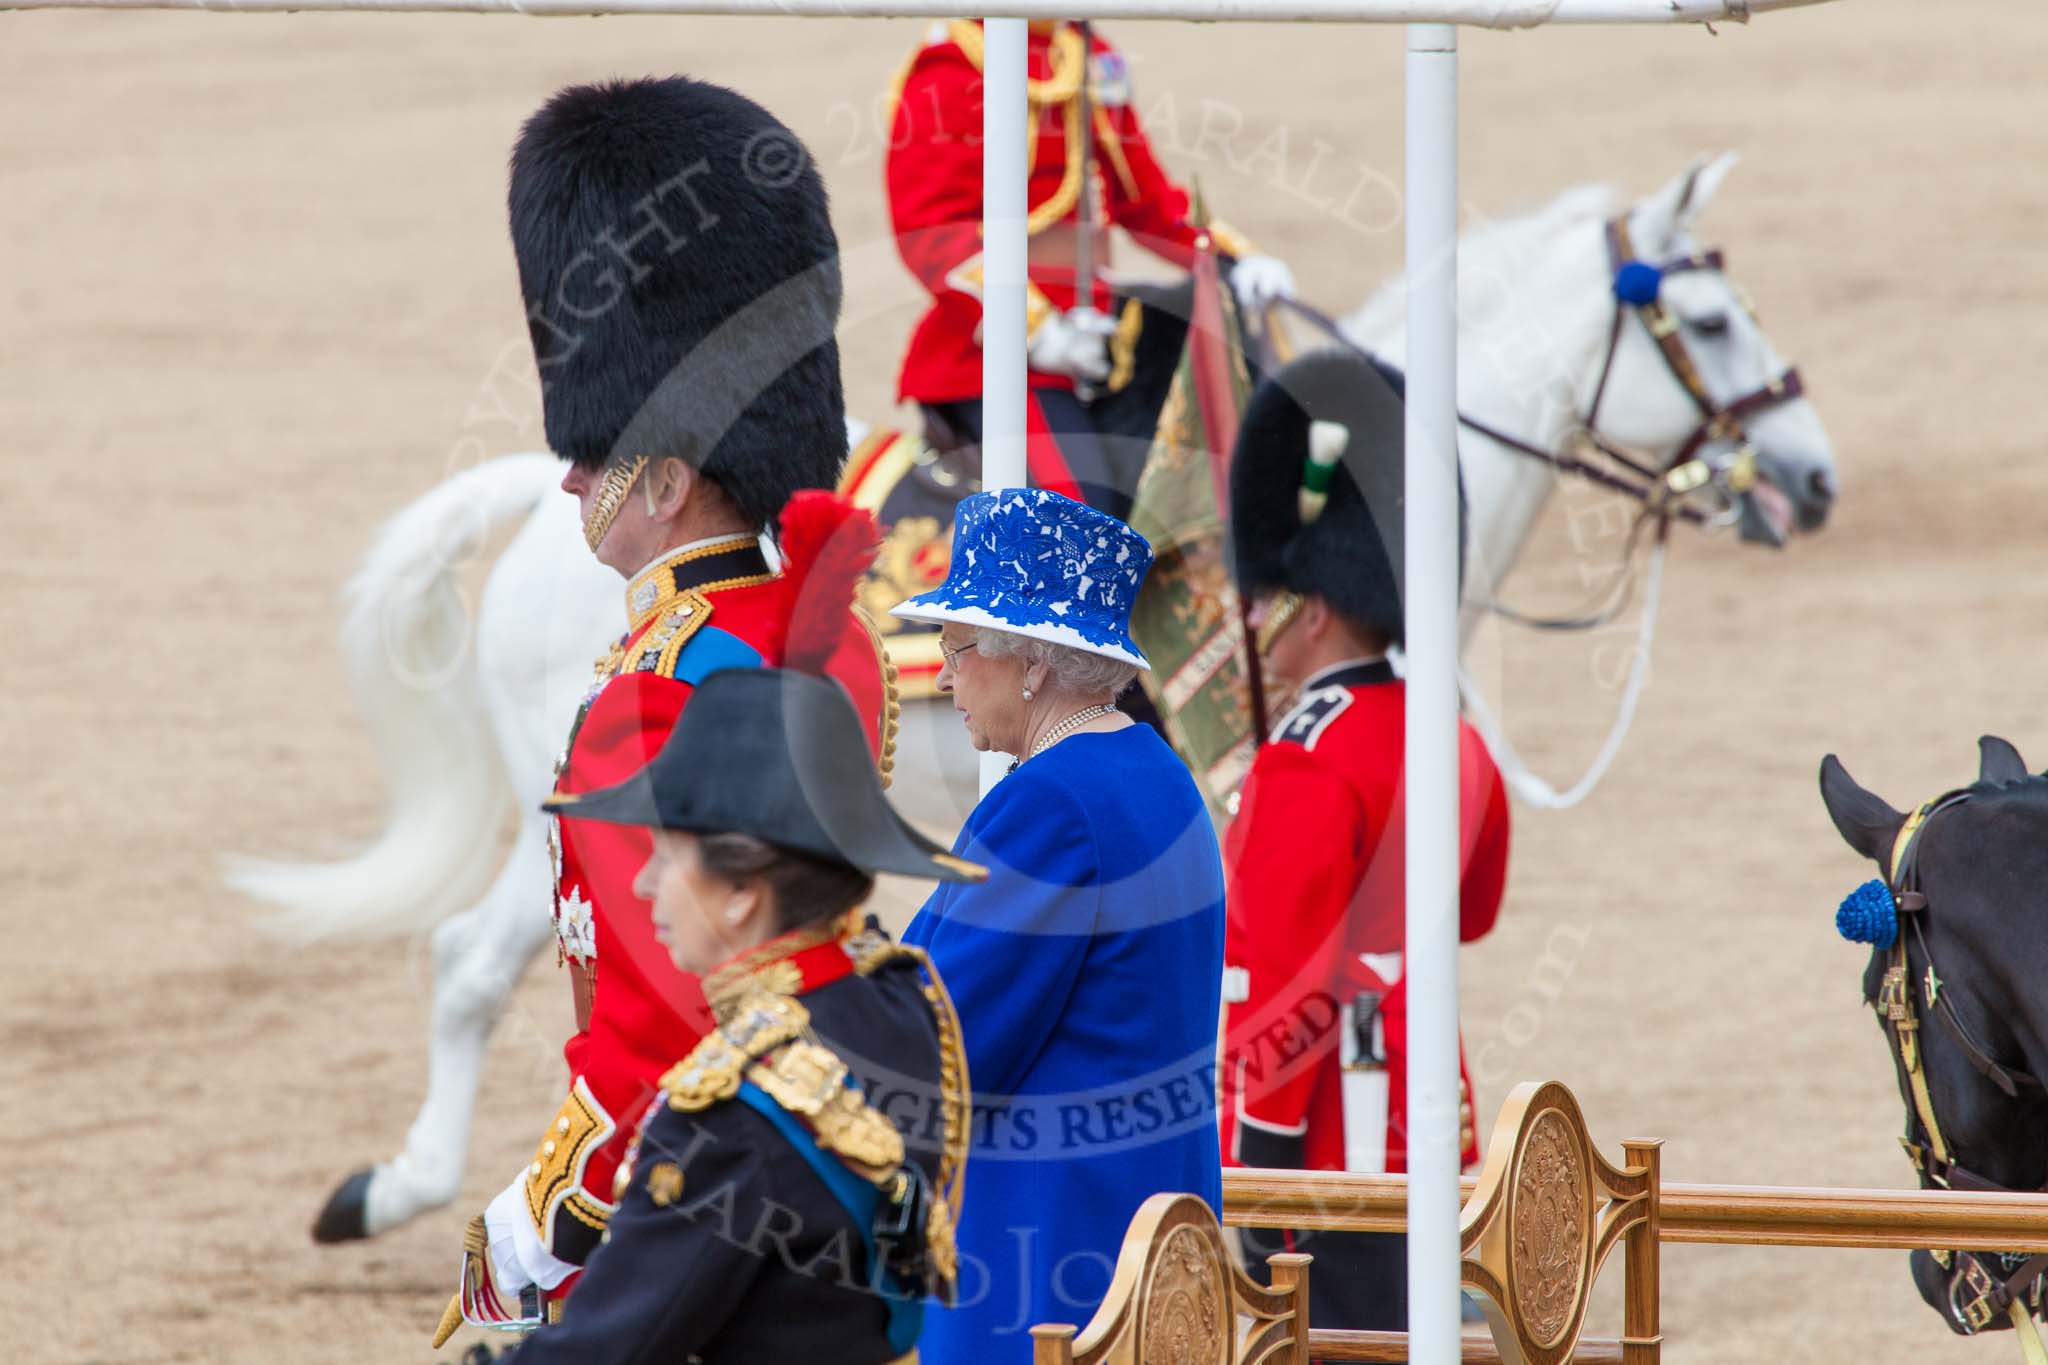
(1072, 670)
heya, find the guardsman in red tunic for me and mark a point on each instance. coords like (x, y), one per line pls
(640, 235)
(1091, 168)
(1315, 1062)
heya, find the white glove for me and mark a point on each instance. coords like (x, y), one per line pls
(1074, 343)
(517, 1257)
(1261, 281)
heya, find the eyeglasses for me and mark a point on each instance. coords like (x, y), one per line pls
(952, 656)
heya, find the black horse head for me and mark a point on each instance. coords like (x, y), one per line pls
(1981, 864)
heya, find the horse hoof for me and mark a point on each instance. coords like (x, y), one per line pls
(343, 1217)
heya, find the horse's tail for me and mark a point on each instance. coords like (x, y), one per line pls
(406, 638)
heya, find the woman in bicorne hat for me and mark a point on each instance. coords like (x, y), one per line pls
(1088, 967)
(793, 1191)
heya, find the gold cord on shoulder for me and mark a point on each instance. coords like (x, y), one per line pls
(956, 1090)
(1068, 57)
(1065, 54)
(890, 722)
(1106, 138)
(1123, 345)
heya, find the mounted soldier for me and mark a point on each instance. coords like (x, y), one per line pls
(1091, 168)
(1315, 1060)
(1101, 356)
(681, 306)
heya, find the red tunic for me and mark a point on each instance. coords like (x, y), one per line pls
(702, 609)
(1315, 860)
(934, 185)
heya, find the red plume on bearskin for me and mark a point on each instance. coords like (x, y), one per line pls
(827, 544)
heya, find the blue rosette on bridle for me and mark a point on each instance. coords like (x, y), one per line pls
(1869, 915)
(1638, 283)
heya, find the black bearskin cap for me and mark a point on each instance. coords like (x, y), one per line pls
(1350, 555)
(681, 280)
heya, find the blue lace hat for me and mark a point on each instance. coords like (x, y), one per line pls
(1037, 563)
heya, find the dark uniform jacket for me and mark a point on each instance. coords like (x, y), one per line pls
(728, 1244)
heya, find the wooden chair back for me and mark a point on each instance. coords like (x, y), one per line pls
(1179, 1298)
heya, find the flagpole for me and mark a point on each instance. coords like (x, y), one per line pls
(1004, 204)
(1430, 770)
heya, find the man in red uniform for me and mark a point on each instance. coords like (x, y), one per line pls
(681, 306)
(1091, 168)
(1316, 1045)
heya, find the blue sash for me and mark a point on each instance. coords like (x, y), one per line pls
(860, 1199)
(710, 650)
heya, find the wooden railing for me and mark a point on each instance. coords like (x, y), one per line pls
(1545, 1213)
(1540, 1154)
(1725, 1215)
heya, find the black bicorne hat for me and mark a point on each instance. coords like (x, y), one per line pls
(681, 280)
(1350, 553)
(779, 755)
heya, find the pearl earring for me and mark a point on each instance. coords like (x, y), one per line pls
(1027, 694)
(735, 914)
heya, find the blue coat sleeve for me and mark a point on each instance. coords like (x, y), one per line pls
(1010, 949)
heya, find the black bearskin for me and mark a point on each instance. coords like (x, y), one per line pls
(1350, 556)
(681, 280)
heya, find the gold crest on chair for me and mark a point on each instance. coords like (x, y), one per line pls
(1178, 1298)
(1545, 1214)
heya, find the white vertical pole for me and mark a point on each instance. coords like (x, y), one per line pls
(1431, 768)
(1004, 205)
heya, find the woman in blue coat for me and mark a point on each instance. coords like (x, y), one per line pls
(1087, 969)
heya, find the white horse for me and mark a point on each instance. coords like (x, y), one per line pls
(463, 734)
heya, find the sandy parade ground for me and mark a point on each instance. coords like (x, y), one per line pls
(255, 292)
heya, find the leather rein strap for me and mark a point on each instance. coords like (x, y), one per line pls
(1660, 490)
(1562, 461)
(1685, 471)
(1977, 1294)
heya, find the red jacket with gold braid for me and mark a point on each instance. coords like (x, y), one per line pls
(1316, 888)
(704, 608)
(934, 183)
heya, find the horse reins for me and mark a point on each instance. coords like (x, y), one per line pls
(1661, 491)
(1977, 1293)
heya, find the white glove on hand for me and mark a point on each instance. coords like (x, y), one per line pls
(517, 1257)
(1074, 343)
(503, 1218)
(1261, 281)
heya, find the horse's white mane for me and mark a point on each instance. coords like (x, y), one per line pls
(1499, 248)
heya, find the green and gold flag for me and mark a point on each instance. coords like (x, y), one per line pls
(1188, 619)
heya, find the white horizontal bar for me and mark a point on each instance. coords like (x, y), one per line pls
(1477, 13)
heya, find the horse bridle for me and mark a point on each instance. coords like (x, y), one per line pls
(1978, 1292)
(1659, 489)
(1686, 470)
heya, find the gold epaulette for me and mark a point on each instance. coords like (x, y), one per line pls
(758, 1023)
(657, 650)
(765, 1039)
(810, 1081)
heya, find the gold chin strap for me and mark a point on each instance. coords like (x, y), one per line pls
(611, 496)
(1285, 608)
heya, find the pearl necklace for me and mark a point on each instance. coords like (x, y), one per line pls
(1065, 728)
